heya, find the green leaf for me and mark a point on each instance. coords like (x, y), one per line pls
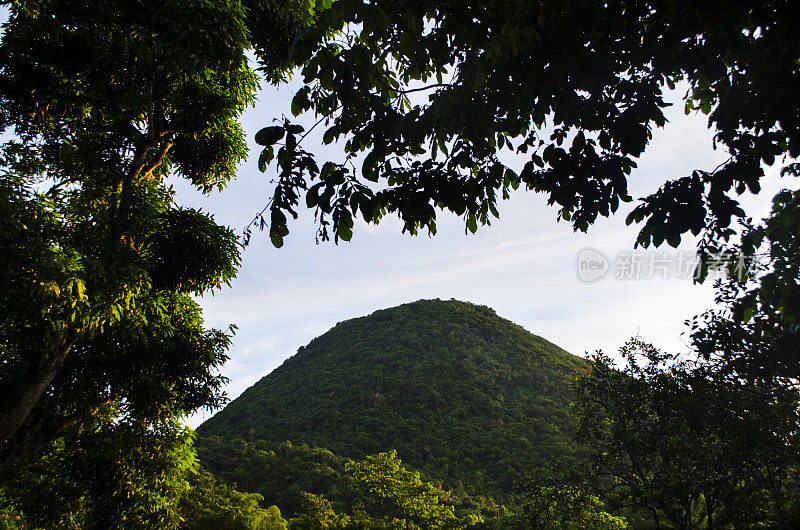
(329, 136)
(472, 223)
(674, 239)
(266, 156)
(344, 232)
(269, 135)
(275, 237)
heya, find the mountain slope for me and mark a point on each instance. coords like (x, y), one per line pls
(464, 395)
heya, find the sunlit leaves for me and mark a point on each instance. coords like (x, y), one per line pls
(419, 503)
(100, 103)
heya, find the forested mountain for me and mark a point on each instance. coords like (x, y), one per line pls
(462, 394)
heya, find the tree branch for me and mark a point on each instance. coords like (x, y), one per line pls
(18, 407)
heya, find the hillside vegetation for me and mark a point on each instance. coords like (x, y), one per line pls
(288, 476)
(465, 396)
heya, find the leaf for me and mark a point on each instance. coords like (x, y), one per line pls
(266, 156)
(329, 136)
(674, 239)
(368, 168)
(344, 232)
(472, 223)
(275, 236)
(269, 135)
(300, 101)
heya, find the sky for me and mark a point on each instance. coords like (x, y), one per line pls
(524, 266)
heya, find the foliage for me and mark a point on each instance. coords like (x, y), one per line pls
(116, 476)
(686, 447)
(461, 394)
(710, 440)
(551, 508)
(212, 506)
(102, 345)
(396, 498)
(419, 504)
(11, 518)
(317, 489)
(317, 513)
(104, 100)
(753, 332)
(280, 473)
(425, 97)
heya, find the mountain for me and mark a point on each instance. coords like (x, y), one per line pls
(462, 394)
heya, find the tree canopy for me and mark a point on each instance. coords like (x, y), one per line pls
(710, 439)
(424, 97)
(101, 344)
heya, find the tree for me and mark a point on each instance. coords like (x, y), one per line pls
(317, 513)
(554, 508)
(417, 504)
(704, 442)
(212, 506)
(425, 96)
(99, 333)
(118, 476)
(105, 98)
(710, 439)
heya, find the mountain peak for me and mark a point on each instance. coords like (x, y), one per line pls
(461, 393)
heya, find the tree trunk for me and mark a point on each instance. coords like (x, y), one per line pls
(18, 406)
